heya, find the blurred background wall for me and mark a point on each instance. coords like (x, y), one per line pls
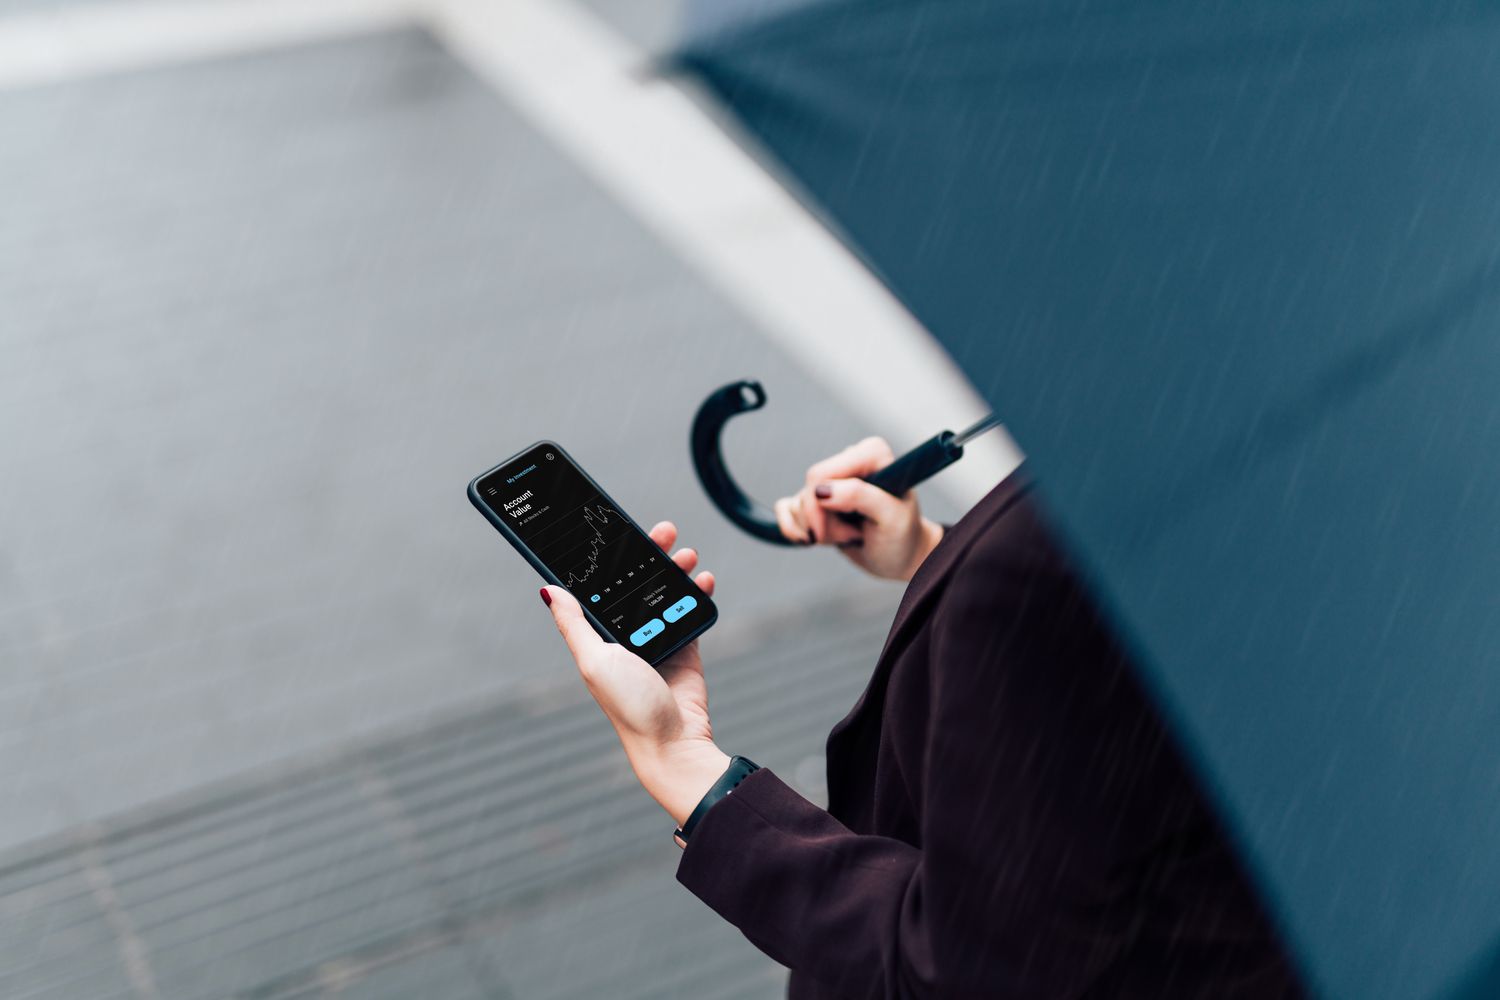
(281, 715)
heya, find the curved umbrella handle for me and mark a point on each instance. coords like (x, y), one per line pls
(925, 460)
(747, 514)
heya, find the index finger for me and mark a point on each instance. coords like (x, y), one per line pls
(854, 462)
(663, 533)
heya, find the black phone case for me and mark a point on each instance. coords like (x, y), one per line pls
(546, 574)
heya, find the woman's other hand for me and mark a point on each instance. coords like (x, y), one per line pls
(892, 539)
(660, 715)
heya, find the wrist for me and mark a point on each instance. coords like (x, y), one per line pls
(930, 533)
(678, 775)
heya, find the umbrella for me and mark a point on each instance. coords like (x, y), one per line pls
(1231, 275)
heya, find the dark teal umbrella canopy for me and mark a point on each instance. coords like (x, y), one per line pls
(1231, 274)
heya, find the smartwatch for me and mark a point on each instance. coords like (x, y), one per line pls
(739, 769)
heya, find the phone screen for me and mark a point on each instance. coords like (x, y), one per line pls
(640, 597)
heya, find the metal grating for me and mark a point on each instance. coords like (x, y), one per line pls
(504, 853)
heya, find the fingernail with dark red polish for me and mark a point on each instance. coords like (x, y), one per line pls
(853, 543)
(812, 539)
(546, 597)
(822, 491)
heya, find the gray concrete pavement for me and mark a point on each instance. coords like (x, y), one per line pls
(504, 853)
(281, 716)
(651, 25)
(263, 317)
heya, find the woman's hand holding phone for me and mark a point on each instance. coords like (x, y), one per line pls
(891, 540)
(659, 713)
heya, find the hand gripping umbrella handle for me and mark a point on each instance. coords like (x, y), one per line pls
(922, 462)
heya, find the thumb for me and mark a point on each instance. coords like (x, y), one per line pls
(567, 615)
(858, 496)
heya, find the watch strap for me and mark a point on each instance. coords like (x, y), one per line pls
(738, 770)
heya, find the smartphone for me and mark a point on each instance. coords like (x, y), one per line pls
(568, 528)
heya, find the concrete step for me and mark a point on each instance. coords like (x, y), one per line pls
(504, 851)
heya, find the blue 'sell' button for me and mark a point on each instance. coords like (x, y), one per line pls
(679, 609)
(646, 632)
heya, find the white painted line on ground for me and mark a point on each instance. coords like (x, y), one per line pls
(71, 41)
(643, 139)
(662, 157)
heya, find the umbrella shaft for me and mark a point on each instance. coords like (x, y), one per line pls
(968, 434)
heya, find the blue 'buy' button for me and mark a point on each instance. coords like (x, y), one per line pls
(646, 632)
(679, 609)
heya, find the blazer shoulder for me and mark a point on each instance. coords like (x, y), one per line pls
(1017, 538)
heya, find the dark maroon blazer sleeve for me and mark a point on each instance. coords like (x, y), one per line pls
(1020, 823)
